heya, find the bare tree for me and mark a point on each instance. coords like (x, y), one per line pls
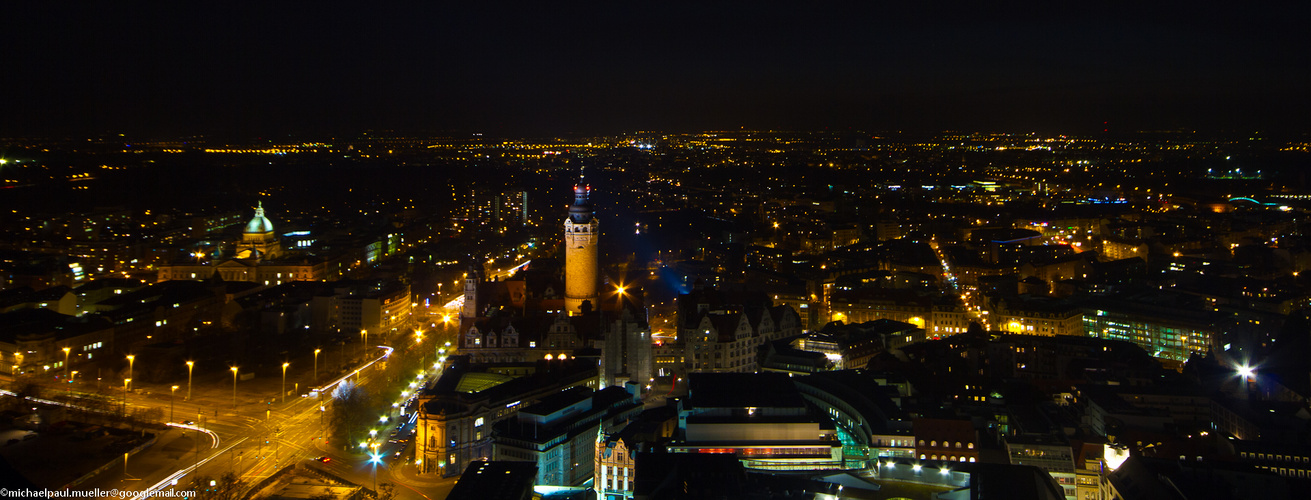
(349, 414)
(225, 487)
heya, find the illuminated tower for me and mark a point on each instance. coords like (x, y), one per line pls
(580, 263)
(469, 309)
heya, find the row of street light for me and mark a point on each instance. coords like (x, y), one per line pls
(191, 365)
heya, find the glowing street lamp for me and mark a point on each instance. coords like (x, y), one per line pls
(170, 403)
(130, 361)
(316, 365)
(375, 459)
(1247, 372)
(234, 387)
(190, 365)
(284, 381)
(66, 351)
(126, 382)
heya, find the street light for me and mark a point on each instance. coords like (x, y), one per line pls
(170, 402)
(284, 382)
(66, 351)
(234, 387)
(316, 365)
(190, 365)
(364, 339)
(1246, 371)
(375, 459)
(126, 381)
(130, 360)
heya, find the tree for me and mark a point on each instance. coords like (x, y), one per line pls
(225, 487)
(386, 491)
(349, 414)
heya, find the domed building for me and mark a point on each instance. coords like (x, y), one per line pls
(257, 257)
(258, 240)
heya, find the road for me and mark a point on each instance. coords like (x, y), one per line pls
(256, 439)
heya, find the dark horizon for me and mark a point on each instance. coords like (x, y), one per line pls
(536, 70)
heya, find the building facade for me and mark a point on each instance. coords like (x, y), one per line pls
(581, 230)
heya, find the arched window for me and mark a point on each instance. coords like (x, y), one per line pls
(934, 457)
(933, 444)
(969, 445)
(963, 459)
(958, 444)
(921, 442)
(921, 457)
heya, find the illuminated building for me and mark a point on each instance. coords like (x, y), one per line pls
(722, 332)
(456, 415)
(946, 440)
(1052, 454)
(259, 259)
(761, 418)
(531, 314)
(258, 240)
(1156, 322)
(1116, 248)
(615, 470)
(559, 433)
(32, 341)
(851, 346)
(1036, 316)
(161, 312)
(938, 316)
(870, 424)
(581, 230)
(378, 308)
(469, 307)
(728, 342)
(627, 355)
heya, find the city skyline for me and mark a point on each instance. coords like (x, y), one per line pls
(274, 70)
(927, 250)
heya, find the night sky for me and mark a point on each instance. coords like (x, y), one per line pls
(545, 68)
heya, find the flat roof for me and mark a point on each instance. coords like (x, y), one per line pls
(743, 390)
